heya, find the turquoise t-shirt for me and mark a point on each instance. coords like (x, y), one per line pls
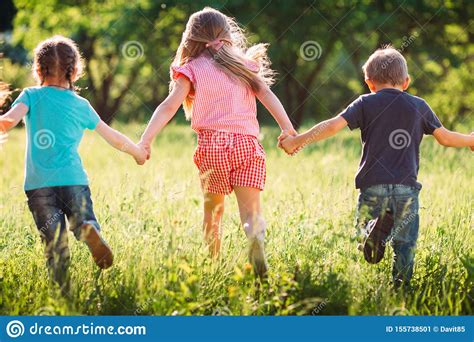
(55, 124)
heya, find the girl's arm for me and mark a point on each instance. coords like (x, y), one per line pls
(321, 131)
(449, 138)
(13, 117)
(165, 112)
(121, 142)
(274, 106)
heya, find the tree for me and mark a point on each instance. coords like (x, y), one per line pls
(116, 38)
(7, 13)
(346, 33)
(317, 47)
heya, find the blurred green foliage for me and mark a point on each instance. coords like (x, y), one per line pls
(129, 45)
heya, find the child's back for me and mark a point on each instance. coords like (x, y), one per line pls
(55, 124)
(56, 183)
(217, 79)
(220, 102)
(392, 124)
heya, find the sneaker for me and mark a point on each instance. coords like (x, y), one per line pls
(378, 232)
(257, 257)
(100, 251)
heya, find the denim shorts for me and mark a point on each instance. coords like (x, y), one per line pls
(402, 202)
(51, 206)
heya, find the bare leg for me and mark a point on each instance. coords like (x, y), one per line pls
(213, 211)
(254, 226)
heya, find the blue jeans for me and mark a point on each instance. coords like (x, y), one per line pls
(50, 207)
(402, 202)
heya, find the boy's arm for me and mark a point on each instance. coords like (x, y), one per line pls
(121, 142)
(449, 138)
(165, 112)
(274, 106)
(13, 117)
(321, 131)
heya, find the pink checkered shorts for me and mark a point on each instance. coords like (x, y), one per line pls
(226, 160)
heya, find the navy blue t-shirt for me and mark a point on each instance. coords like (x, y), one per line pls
(392, 125)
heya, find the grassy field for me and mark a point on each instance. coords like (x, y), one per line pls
(151, 217)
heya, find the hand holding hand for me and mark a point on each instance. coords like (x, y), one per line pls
(290, 145)
(146, 146)
(286, 133)
(140, 155)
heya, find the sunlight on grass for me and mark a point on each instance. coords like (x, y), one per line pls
(151, 217)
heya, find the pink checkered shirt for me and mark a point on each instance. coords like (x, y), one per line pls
(220, 103)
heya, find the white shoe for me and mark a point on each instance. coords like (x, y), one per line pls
(257, 251)
(257, 257)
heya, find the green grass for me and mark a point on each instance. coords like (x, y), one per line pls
(151, 217)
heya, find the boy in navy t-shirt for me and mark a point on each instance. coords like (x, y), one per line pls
(392, 124)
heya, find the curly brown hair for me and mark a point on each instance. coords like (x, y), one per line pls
(58, 57)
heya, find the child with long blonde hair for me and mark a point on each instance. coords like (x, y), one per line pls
(217, 78)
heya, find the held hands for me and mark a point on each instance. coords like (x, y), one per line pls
(140, 154)
(287, 142)
(285, 133)
(145, 145)
(289, 145)
(143, 152)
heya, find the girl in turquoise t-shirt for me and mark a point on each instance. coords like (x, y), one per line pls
(56, 183)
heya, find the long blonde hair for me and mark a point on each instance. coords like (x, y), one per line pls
(232, 53)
